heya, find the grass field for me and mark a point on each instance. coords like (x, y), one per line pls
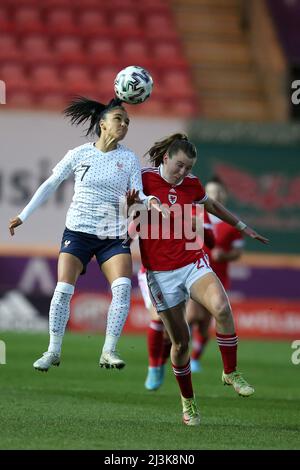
(80, 406)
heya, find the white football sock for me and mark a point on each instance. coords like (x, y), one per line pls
(59, 315)
(118, 312)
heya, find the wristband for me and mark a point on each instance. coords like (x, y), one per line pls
(240, 225)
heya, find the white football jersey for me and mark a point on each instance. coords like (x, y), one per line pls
(101, 182)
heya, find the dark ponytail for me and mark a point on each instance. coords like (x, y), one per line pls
(82, 109)
(171, 144)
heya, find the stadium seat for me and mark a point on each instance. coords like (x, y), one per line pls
(86, 4)
(178, 84)
(127, 25)
(152, 107)
(94, 20)
(68, 49)
(168, 53)
(78, 80)
(58, 3)
(45, 78)
(20, 99)
(36, 47)
(6, 24)
(52, 100)
(104, 78)
(101, 51)
(18, 3)
(14, 76)
(9, 49)
(135, 52)
(160, 26)
(60, 21)
(28, 20)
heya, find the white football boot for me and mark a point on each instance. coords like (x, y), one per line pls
(111, 360)
(47, 360)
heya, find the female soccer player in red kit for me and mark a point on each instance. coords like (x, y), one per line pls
(178, 269)
(158, 341)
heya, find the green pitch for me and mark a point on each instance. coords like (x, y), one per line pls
(80, 406)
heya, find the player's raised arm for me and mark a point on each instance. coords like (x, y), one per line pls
(217, 209)
(60, 173)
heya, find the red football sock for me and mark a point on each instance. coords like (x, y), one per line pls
(155, 337)
(228, 348)
(184, 378)
(165, 351)
(198, 344)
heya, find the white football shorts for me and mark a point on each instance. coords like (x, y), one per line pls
(170, 288)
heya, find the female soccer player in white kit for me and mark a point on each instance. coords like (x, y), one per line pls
(104, 173)
(176, 271)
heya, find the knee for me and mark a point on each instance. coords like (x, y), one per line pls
(63, 292)
(181, 347)
(121, 281)
(222, 311)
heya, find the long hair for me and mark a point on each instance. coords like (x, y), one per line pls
(171, 144)
(82, 109)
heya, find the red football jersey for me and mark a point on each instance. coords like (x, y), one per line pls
(227, 238)
(209, 237)
(165, 254)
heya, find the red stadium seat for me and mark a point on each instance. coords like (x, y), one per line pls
(135, 52)
(9, 49)
(160, 26)
(151, 107)
(28, 19)
(104, 78)
(178, 84)
(18, 3)
(57, 3)
(19, 99)
(101, 51)
(127, 25)
(6, 24)
(36, 47)
(78, 80)
(94, 20)
(52, 100)
(86, 4)
(68, 49)
(93, 23)
(60, 21)
(14, 76)
(45, 78)
(168, 53)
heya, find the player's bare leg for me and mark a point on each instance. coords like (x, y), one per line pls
(209, 292)
(199, 320)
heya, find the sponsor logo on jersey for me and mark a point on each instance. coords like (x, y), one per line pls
(120, 166)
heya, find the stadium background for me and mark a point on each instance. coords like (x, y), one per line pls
(223, 72)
